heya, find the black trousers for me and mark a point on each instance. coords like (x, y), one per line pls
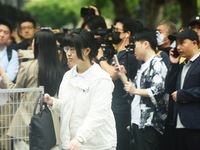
(168, 138)
(145, 139)
(187, 139)
(123, 135)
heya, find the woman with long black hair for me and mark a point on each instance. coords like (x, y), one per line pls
(44, 70)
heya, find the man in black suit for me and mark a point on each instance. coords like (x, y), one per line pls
(183, 83)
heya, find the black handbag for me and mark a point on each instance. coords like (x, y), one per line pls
(41, 128)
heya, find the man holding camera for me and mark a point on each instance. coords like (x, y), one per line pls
(89, 11)
(123, 29)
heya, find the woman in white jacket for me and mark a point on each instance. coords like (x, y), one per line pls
(84, 104)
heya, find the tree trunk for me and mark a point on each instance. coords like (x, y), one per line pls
(120, 8)
(151, 11)
(188, 9)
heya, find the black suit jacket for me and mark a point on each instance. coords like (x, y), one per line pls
(188, 98)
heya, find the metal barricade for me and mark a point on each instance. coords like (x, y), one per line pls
(16, 109)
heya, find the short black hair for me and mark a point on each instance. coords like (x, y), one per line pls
(80, 39)
(149, 35)
(6, 23)
(27, 20)
(95, 22)
(129, 24)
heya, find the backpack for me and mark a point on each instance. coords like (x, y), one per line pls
(9, 53)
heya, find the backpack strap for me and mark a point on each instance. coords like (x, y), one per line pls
(9, 53)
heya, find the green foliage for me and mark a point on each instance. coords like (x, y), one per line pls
(61, 13)
(133, 6)
(55, 13)
(172, 13)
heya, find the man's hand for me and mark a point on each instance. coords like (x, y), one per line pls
(173, 59)
(129, 87)
(174, 96)
(100, 53)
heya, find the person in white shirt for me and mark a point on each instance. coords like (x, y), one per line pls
(11, 66)
(85, 94)
(149, 105)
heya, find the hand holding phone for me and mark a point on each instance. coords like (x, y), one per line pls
(25, 54)
(119, 67)
(116, 61)
(176, 53)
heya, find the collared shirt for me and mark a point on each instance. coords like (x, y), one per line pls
(186, 67)
(11, 67)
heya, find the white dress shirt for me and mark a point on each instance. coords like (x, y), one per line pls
(11, 67)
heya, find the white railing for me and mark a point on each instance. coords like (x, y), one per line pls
(15, 103)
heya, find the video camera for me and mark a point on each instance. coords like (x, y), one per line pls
(105, 40)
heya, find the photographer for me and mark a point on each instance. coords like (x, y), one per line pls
(123, 29)
(97, 25)
(86, 12)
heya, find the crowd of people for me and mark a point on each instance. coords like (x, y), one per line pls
(125, 88)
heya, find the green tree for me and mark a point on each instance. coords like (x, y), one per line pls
(64, 12)
(152, 11)
(54, 13)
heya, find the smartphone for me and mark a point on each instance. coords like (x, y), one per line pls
(176, 53)
(116, 61)
(28, 54)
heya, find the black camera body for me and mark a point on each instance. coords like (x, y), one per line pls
(105, 40)
(86, 12)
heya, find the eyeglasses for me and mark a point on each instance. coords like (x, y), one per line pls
(69, 49)
(117, 29)
(27, 27)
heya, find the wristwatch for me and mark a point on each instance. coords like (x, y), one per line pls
(103, 58)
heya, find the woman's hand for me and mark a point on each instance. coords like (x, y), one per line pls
(48, 99)
(74, 145)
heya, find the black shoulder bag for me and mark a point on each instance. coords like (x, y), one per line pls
(41, 128)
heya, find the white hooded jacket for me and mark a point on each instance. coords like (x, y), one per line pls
(84, 106)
